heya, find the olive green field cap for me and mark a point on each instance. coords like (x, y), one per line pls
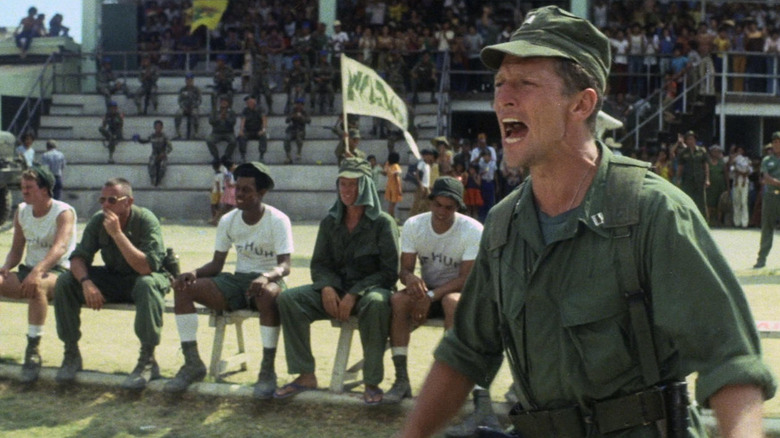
(44, 176)
(354, 167)
(255, 167)
(551, 32)
(775, 135)
(354, 133)
(449, 187)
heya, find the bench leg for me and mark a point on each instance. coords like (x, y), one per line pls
(241, 356)
(342, 358)
(219, 323)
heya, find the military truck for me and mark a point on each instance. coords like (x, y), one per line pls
(11, 167)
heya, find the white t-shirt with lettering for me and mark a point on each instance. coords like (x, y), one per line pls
(256, 245)
(440, 255)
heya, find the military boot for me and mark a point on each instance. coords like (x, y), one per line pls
(483, 415)
(145, 371)
(401, 389)
(192, 371)
(32, 361)
(71, 364)
(266, 379)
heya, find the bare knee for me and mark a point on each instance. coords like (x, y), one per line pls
(400, 302)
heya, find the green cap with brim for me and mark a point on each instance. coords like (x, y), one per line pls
(775, 135)
(449, 187)
(256, 167)
(354, 167)
(45, 176)
(551, 32)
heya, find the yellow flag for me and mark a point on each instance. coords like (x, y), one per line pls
(207, 13)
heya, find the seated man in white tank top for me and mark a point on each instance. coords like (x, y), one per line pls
(47, 227)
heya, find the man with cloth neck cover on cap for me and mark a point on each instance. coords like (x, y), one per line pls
(353, 270)
(598, 344)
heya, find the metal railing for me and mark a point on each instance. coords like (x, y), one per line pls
(32, 105)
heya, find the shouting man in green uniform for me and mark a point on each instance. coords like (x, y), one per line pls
(130, 242)
(770, 207)
(598, 278)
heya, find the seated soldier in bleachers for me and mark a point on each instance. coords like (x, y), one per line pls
(263, 239)
(47, 228)
(354, 268)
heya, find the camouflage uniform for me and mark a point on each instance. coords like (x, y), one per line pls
(296, 130)
(189, 103)
(296, 81)
(260, 85)
(253, 130)
(111, 130)
(322, 84)
(107, 83)
(223, 84)
(148, 90)
(158, 160)
(222, 123)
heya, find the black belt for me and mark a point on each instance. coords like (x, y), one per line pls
(639, 409)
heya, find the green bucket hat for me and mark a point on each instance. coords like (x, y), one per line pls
(552, 32)
(449, 187)
(254, 168)
(354, 167)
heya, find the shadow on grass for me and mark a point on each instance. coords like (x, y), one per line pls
(47, 410)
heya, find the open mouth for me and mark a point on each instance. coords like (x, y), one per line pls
(514, 130)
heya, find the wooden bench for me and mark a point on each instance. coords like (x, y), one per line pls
(344, 376)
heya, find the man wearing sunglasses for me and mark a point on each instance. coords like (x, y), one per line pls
(130, 242)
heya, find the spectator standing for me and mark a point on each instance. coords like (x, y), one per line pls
(693, 171)
(25, 150)
(740, 169)
(161, 148)
(296, 120)
(718, 185)
(772, 49)
(223, 82)
(54, 159)
(487, 175)
(770, 206)
(738, 62)
(215, 195)
(637, 45)
(147, 93)
(393, 186)
(620, 46)
(423, 178)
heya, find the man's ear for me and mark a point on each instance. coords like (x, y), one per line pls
(585, 104)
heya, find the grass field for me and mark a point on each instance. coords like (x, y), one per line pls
(109, 345)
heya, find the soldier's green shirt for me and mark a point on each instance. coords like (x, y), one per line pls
(143, 231)
(353, 262)
(189, 97)
(770, 165)
(567, 316)
(693, 172)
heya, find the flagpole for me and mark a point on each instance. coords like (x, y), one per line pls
(343, 100)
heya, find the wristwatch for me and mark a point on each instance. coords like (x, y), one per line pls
(430, 294)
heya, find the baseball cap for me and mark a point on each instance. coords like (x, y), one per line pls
(689, 133)
(189, 76)
(552, 32)
(775, 135)
(336, 23)
(353, 167)
(255, 168)
(354, 133)
(449, 187)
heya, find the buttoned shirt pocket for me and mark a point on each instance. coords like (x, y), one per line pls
(596, 322)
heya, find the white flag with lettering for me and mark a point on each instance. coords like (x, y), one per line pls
(364, 92)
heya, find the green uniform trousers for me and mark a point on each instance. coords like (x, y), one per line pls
(300, 306)
(215, 139)
(145, 291)
(696, 191)
(770, 214)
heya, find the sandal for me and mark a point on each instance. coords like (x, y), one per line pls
(370, 395)
(290, 390)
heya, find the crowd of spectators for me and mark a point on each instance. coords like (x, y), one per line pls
(34, 26)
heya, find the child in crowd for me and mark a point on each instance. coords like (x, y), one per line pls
(217, 187)
(473, 198)
(375, 170)
(393, 189)
(663, 165)
(229, 188)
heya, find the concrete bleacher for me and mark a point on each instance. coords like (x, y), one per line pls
(304, 190)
